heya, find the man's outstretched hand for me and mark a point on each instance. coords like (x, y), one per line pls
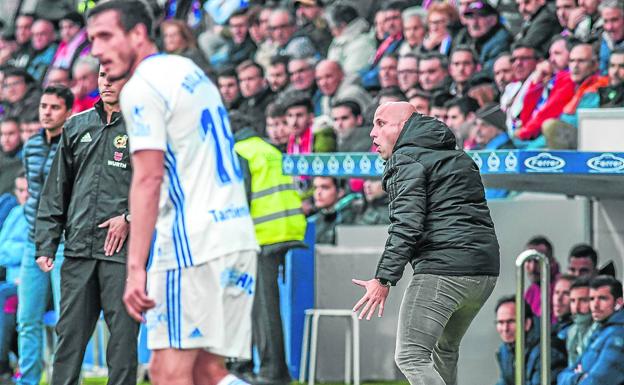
(375, 295)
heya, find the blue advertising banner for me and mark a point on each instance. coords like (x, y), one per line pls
(489, 162)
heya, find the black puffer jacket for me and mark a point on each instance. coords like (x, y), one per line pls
(439, 218)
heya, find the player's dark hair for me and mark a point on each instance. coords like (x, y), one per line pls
(131, 13)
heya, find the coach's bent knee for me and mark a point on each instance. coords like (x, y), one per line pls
(409, 360)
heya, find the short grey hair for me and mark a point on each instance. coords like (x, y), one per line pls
(89, 61)
(417, 11)
(609, 4)
(310, 61)
(291, 17)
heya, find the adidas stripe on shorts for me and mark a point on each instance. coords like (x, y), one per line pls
(204, 307)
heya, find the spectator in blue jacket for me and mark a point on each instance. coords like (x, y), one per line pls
(506, 328)
(55, 108)
(13, 239)
(603, 360)
(612, 14)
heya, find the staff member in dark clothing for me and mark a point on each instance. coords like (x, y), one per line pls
(86, 196)
(440, 223)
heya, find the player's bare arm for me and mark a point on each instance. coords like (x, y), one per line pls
(148, 166)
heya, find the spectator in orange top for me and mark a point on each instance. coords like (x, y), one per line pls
(562, 133)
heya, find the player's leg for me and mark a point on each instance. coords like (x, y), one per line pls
(424, 313)
(474, 291)
(121, 351)
(210, 370)
(80, 309)
(173, 366)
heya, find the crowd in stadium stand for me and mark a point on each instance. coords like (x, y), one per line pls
(587, 329)
(309, 75)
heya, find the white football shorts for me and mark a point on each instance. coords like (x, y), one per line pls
(204, 307)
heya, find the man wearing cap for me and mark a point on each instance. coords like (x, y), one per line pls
(482, 88)
(74, 43)
(491, 131)
(441, 225)
(491, 134)
(485, 33)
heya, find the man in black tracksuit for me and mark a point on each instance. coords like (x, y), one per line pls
(85, 198)
(441, 225)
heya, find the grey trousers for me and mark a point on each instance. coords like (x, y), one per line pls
(435, 313)
(89, 286)
(268, 334)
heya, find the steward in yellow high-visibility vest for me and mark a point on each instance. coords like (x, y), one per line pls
(280, 225)
(275, 204)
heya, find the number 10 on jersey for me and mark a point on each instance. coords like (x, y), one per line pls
(223, 144)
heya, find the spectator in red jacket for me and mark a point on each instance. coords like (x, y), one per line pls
(550, 90)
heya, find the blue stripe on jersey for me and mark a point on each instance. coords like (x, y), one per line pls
(170, 320)
(180, 236)
(177, 203)
(178, 186)
(172, 195)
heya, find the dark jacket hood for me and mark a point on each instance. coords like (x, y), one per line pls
(427, 132)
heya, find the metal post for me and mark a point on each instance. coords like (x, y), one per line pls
(545, 318)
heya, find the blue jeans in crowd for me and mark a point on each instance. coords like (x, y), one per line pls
(7, 289)
(34, 292)
(435, 314)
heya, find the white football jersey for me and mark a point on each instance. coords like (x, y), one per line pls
(170, 105)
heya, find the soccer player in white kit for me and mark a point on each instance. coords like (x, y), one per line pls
(187, 184)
